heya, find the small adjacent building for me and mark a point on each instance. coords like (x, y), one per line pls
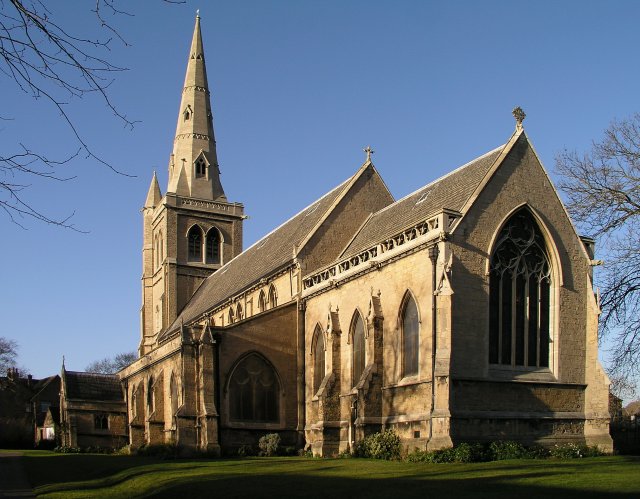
(92, 410)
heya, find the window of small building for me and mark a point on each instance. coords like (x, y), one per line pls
(318, 360)
(410, 337)
(358, 354)
(520, 295)
(101, 421)
(254, 392)
(194, 238)
(213, 246)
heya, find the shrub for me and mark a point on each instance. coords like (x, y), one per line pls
(162, 451)
(246, 450)
(572, 451)
(383, 445)
(463, 453)
(506, 449)
(269, 444)
(65, 449)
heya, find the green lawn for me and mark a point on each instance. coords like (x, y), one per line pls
(89, 475)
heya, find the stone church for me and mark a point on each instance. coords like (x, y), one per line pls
(464, 311)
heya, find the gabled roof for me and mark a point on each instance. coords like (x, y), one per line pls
(271, 253)
(449, 192)
(92, 386)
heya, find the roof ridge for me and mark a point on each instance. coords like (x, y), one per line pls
(439, 179)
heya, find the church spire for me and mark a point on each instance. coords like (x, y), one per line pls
(154, 196)
(194, 147)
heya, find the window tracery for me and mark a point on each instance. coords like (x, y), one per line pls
(254, 392)
(520, 295)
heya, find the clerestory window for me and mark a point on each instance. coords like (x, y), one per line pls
(520, 295)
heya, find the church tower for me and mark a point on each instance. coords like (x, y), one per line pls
(192, 230)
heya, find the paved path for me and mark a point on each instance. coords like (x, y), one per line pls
(13, 479)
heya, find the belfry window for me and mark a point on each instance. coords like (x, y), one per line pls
(318, 360)
(254, 392)
(195, 244)
(410, 337)
(358, 357)
(520, 295)
(213, 246)
(201, 167)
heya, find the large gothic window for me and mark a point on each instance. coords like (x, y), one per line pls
(520, 295)
(213, 246)
(254, 392)
(195, 244)
(410, 337)
(318, 360)
(358, 357)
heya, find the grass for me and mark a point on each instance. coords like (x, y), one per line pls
(92, 475)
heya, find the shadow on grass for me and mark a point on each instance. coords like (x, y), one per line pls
(122, 476)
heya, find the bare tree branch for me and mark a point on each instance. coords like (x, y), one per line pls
(603, 191)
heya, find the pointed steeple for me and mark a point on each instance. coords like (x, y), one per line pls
(154, 196)
(194, 147)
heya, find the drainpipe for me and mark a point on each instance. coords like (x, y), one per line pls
(433, 256)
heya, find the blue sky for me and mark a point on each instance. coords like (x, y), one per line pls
(298, 89)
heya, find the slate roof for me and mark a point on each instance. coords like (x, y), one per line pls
(92, 386)
(451, 192)
(266, 256)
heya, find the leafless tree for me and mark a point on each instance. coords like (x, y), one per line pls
(112, 365)
(8, 354)
(51, 63)
(603, 191)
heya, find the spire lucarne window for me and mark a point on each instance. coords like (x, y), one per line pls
(520, 295)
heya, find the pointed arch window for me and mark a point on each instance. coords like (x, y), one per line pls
(201, 167)
(261, 302)
(520, 295)
(239, 312)
(173, 394)
(213, 246)
(254, 392)
(273, 297)
(232, 318)
(194, 238)
(134, 401)
(318, 359)
(358, 354)
(151, 397)
(410, 337)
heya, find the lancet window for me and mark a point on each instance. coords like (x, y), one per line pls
(194, 238)
(358, 353)
(318, 359)
(410, 336)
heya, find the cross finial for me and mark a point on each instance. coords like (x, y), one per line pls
(369, 152)
(519, 115)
